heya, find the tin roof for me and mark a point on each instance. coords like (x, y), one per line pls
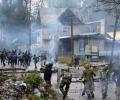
(90, 35)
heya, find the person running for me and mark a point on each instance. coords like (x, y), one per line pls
(29, 58)
(76, 62)
(35, 58)
(65, 83)
(3, 57)
(88, 75)
(19, 58)
(8, 57)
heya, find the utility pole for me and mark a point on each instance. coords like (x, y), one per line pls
(68, 18)
(72, 41)
(72, 38)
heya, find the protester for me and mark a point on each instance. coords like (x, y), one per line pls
(14, 58)
(76, 62)
(35, 61)
(29, 58)
(47, 77)
(3, 58)
(20, 58)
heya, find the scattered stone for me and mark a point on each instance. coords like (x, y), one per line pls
(37, 92)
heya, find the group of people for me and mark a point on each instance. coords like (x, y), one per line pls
(67, 79)
(14, 57)
(64, 84)
(106, 76)
(88, 75)
(88, 80)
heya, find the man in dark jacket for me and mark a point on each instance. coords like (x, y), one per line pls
(76, 62)
(3, 57)
(47, 77)
(35, 58)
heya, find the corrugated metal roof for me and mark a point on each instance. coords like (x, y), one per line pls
(82, 35)
(90, 35)
(117, 35)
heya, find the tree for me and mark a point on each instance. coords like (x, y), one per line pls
(13, 15)
(17, 16)
(112, 7)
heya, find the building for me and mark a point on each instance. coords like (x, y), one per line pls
(90, 39)
(88, 45)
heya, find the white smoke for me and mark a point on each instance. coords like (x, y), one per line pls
(54, 35)
(54, 47)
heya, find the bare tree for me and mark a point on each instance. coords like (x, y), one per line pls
(113, 8)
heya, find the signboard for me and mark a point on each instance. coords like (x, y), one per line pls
(94, 58)
(94, 49)
(88, 49)
(81, 45)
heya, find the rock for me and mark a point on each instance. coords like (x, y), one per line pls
(37, 92)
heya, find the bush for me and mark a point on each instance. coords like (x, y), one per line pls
(33, 80)
(39, 98)
(65, 60)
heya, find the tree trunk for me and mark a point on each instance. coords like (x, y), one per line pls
(114, 36)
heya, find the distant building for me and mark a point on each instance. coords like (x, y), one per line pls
(90, 39)
(89, 45)
(117, 35)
